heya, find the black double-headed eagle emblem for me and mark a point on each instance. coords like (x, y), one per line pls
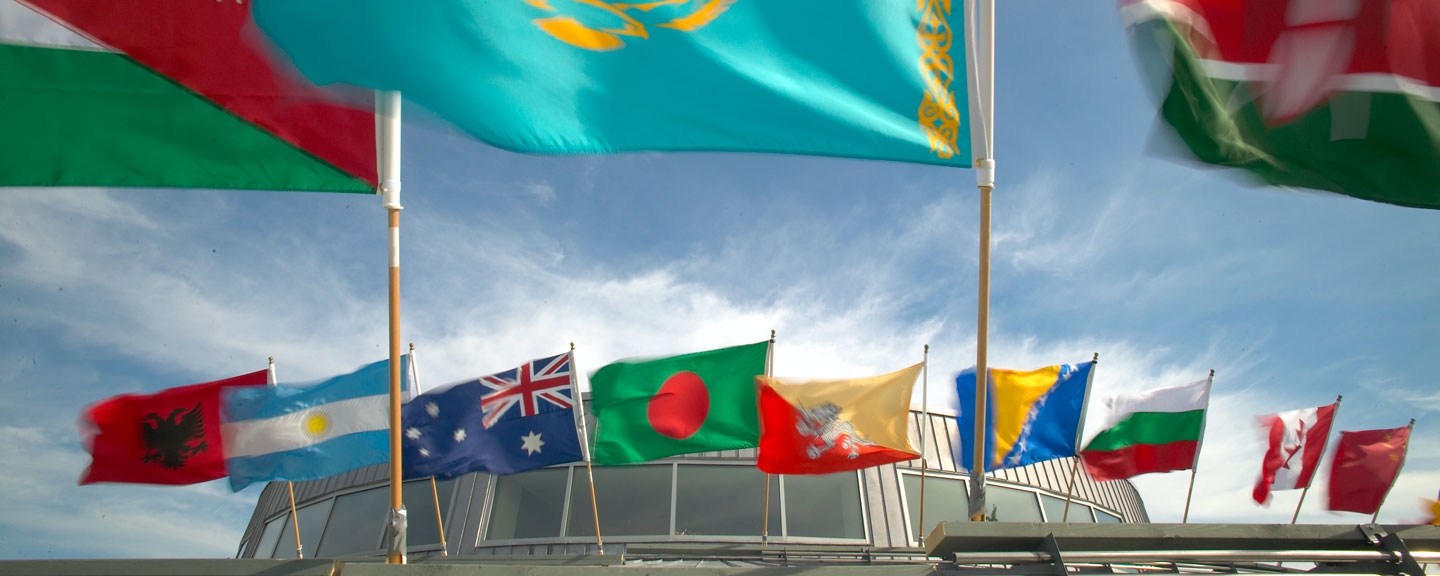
(171, 440)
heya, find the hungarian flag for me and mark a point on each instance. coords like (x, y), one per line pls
(1158, 431)
(697, 402)
(836, 425)
(169, 437)
(1339, 95)
(1365, 467)
(167, 93)
(1297, 440)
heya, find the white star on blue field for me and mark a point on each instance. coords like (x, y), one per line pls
(1167, 270)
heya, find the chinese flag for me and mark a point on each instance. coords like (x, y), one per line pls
(170, 437)
(1366, 464)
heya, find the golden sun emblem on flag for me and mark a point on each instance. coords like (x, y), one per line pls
(623, 19)
(316, 424)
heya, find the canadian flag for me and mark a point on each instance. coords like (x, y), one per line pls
(1297, 440)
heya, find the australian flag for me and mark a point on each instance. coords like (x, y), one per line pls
(504, 423)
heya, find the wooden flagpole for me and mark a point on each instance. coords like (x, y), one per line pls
(388, 148)
(439, 519)
(1403, 454)
(924, 426)
(1195, 466)
(294, 517)
(434, 488)
(1333, 415)
(985, 181)
(765, 522)
(585, 447)
(1079, 432)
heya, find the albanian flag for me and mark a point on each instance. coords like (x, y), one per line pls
(170, 437)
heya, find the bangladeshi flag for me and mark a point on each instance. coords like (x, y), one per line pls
(697, 402)
(1337, 95)
(170, 94)
(169, 437)
(835, 425)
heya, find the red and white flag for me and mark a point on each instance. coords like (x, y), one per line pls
(1297, 440)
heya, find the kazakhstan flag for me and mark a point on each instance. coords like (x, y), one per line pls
(878, 79)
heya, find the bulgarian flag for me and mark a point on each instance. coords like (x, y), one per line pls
(1337, 95)
(167, 93)
(698, 402)
(1158, 431)
(837, 425)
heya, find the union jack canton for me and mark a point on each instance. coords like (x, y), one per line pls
(536, 387)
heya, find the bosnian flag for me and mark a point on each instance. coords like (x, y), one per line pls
(1297, 440)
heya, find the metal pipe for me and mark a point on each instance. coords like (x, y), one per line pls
(1127, 556)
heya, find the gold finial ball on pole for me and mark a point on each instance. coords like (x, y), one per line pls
(772, 336)
(572, 346)
(272, 359)
(1212, 372)
(927, 348)
(1095, 359)
(412, 346)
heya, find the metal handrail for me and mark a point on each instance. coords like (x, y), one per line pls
(1203, 556)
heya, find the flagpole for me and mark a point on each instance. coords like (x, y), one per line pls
(1403, 454)
(1195, 466)
(1070, 489)
(434, 489)
(1333, 414)
(294, 517)
(388, 148)
(924, 425)
(1079, 432)
(985, 181)
(765, 522)
(585, 447)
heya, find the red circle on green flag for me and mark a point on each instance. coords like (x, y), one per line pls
(679, 408)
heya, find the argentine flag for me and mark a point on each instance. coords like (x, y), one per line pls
(291, 432)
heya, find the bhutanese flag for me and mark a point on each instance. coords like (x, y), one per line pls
(1339, 95)
(834, 426)
(1158, 431)
(166, 93)
(1030, 416)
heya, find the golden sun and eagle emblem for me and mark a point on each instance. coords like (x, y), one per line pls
(606, 25)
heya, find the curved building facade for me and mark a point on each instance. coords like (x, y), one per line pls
(713, 497)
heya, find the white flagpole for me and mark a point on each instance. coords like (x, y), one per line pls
(984, 75)
(387, 117)
(1333, 414)
(924, 426)
(1079, 435)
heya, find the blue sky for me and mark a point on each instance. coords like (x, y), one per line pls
(1165, 269)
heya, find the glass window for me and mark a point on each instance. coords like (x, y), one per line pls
(312, 524)
(724, 500)
(633, 500)
(1104, 517)
(825, 506)
(266, 547)
(1055, 510)
(1011, 505)
(528, 505)
(421, 527)
(357, 524)
(945, 499)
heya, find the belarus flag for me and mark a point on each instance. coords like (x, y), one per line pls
(167, 94)
(1297, 440)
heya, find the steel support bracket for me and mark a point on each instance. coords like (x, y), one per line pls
(1057, 562)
